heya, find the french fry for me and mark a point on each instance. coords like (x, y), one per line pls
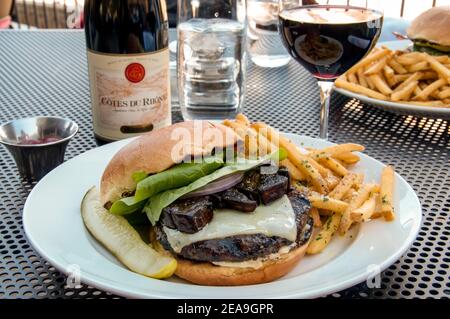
(349, 195)
(315, 177)
(306, 190)
(412, 78)
(357, 185)
(444, 94)
(429, 75)
(321, 169)
(296, 174)
(442, 59)
(247, 134)
(359, 89)
(389, 74)
(343, 187)
(334, 165)
(437, 66)
(367, 209)
(417, 90)
(408, 59)
(361, 78)
(242, 119)
(370, 84)
(377, 66)
(430, 89)
(352, 78)
(386, 193)
(239, 129)
(380, 84)
(332, 181)
(265, 146)
(336, 150)
(348, 158)
(361, 197)
(316, 217)
(435, 94)
(359, 180)
(410, 55)
(301, 161)
(376, 215)
(324, 212)
(405, 93)
(401, 77)
(323, 238)
(397, 66)
(328, 203)
(374, 56)
(421, 66)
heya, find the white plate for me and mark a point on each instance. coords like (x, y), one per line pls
(400, 108)
(53, 224)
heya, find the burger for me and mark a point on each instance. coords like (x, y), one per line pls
(430, 31)
(225, 219)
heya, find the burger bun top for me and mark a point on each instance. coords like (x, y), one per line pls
(158, 150)
(433, 26)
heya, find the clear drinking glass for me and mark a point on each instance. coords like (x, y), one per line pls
(264, 43)
(328, 37)
(211, 58)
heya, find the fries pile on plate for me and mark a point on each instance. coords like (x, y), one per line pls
(403, 77)
(339, 198)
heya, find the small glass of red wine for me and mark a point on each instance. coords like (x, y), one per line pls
(328, 37)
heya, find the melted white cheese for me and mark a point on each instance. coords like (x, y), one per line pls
(275, 219)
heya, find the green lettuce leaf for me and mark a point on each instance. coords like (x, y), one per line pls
(156, 203)
(139, 176)
(177, 176)
(282, 154)
(126, 206)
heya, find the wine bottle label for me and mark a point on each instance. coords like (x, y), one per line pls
(130, 93)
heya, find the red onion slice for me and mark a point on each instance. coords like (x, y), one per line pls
(218, 185)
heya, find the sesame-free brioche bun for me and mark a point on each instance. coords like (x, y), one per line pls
(205, 273)
(433, 26)
(158, 150)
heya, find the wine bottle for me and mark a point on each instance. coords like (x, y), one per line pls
(128, 59)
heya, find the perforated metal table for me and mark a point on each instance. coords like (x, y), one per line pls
(45, 73)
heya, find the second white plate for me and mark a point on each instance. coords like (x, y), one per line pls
(400, 108)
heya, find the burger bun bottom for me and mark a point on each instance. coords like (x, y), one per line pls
(204, 273)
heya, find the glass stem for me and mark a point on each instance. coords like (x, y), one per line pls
(325, 95)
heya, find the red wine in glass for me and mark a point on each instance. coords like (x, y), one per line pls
(329, 39)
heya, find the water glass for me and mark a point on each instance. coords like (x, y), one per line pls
(264, 44)
(211, 58)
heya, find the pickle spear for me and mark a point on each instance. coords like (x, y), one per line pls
(121, 239)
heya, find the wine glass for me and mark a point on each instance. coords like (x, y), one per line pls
(328, 37)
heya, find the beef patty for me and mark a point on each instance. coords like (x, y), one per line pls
(246, 247)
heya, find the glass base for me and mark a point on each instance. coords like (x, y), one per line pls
(189, 115)
(271, 61)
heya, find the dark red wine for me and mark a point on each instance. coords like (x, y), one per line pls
(328, 40)
(128, 58)
(39, 141)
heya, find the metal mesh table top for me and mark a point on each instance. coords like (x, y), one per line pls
(45, 73)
